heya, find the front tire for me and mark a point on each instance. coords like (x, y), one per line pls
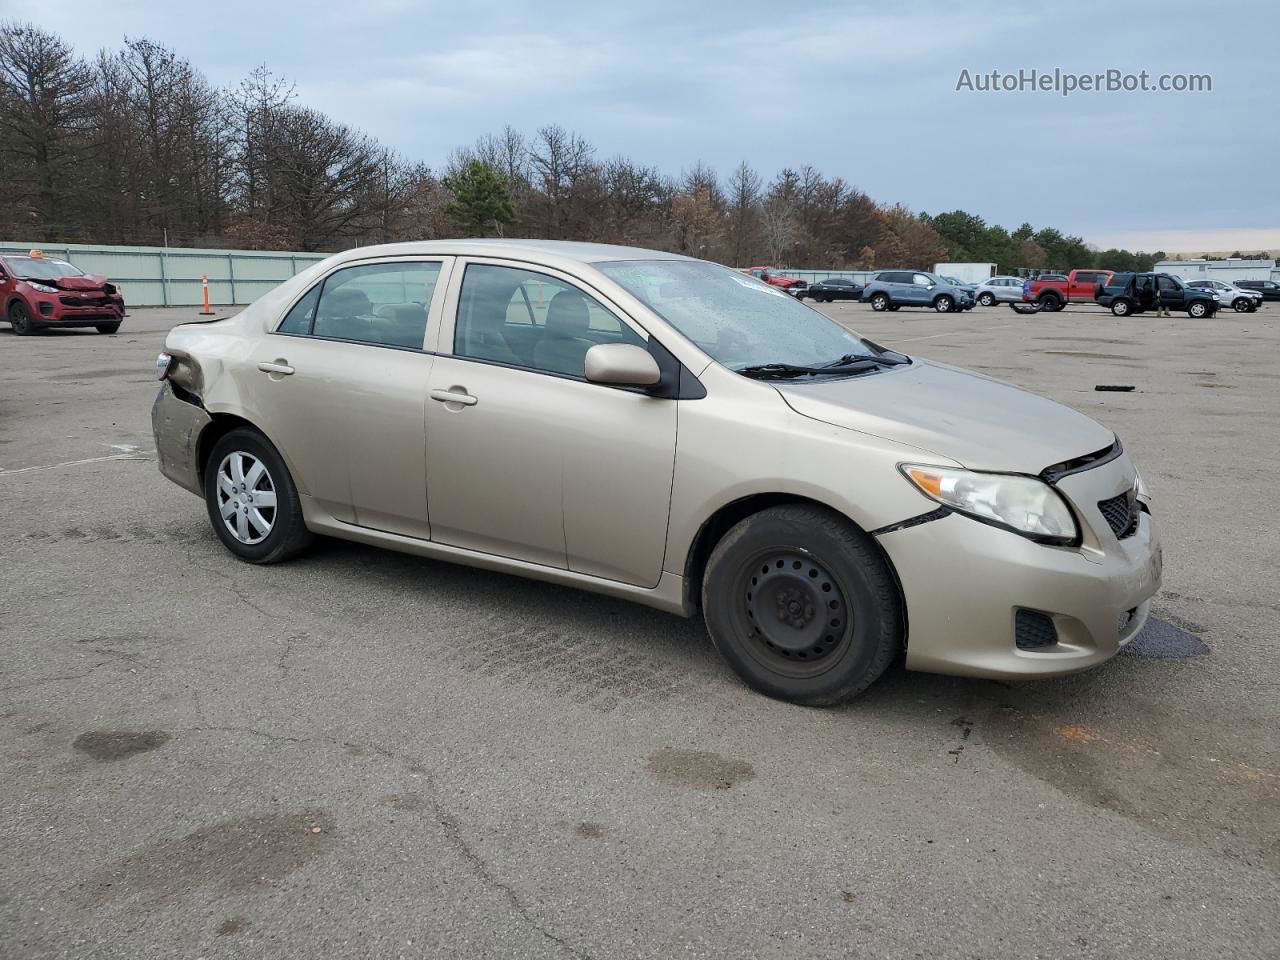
(802, 605)
(880, 302)
(107, 327)
(1241, 305)
(252, 501)
(20, 319)
(944, 304)
(1197, 309)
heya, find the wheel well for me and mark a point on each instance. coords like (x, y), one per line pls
(723, 520)
(218, 427)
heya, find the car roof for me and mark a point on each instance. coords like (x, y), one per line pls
(546, 251)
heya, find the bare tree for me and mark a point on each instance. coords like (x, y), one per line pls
(743, 214)
(44, 109)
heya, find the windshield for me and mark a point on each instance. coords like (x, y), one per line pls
(40, 268)
(736, 320)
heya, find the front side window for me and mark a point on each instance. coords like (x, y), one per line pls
(379, 303)
(733, 319)
(526, 319)
(922, 280)
(1167, 283)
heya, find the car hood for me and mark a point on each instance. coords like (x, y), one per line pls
(86, 282)
(978, 422)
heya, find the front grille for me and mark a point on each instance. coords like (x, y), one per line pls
(85, 301)
(1032, 630)
(1121, 514)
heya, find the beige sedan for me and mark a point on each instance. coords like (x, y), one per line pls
(672, 432)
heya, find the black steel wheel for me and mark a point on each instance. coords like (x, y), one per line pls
(802, 604)
(20, 319)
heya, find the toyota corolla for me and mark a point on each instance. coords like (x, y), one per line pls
(673, 432)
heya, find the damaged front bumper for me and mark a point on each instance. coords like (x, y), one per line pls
(177, 423)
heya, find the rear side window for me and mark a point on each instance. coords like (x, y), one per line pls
(298, 320)
(379, 303)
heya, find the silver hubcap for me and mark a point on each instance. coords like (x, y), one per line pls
(246, 497)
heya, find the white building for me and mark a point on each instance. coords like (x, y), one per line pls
(966, 272)
(1228, 271)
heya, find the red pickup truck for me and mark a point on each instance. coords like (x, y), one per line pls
(1053, 291)
(792, 285)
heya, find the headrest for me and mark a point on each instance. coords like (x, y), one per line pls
(567, 315)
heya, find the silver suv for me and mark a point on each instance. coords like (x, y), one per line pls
(674, 433)
(894, 289)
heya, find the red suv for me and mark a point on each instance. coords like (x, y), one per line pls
(37, 291)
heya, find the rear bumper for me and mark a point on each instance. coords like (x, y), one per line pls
(177, 425)
(964, 583)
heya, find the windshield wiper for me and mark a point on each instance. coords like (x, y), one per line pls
(887, 359)
(771, 371)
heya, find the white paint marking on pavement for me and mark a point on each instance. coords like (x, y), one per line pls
(72, 463)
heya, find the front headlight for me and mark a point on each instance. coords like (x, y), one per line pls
(1024, 505)
(42, 288)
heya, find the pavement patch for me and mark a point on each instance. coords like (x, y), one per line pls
(698, 769)
(109, 745)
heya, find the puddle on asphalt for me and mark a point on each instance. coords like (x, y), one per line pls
(107, 745)
(698, 769)
(1165, 641)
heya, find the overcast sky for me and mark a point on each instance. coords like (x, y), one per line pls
(866, 92)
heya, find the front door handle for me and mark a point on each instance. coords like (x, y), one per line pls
(279, 368)
(456, 395)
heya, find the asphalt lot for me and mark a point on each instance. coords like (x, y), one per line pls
(362, 754)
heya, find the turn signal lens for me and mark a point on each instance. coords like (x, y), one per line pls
(1025, 505)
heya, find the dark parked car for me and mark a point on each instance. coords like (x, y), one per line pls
(38, 291)
(1269, 289)
(1128, 293)
(834, 288)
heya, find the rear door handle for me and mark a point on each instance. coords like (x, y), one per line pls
(282, 369)
(454, 396)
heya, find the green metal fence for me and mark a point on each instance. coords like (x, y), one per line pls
(159, 276)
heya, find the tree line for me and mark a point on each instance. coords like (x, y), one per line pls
(136, 146)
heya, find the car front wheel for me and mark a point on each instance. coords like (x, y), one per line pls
(880, 302)
(1197, 309)
(802, 605)
(252, 501)
(944, 304)
(107, 327)
(1241, 305)
(20, 319)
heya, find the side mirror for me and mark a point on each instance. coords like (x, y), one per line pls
(622, 365)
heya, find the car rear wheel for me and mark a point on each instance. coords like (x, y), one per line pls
(944, 304)
(880, 302)
(1197, 309)
(20, 319)
(802, 605)
(1050, 304)
(986, 299)
(1121, 308)
(252, 501)
(107, 327)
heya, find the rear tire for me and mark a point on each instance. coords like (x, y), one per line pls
(107, 327)
(880, 302)
(1121, 308)
(987, 300)
(802, 605)
(20, 319)
(1050, 304)
(285, 534)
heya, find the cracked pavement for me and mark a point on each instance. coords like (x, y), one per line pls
(364, 754)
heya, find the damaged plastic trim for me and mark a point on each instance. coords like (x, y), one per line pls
(914, 521)
(1058, 471)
